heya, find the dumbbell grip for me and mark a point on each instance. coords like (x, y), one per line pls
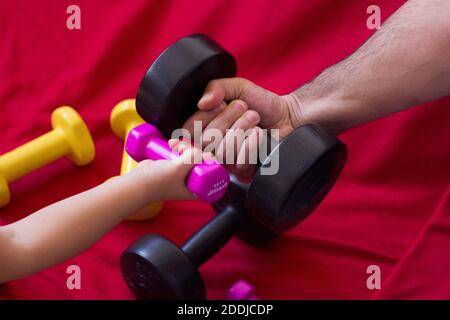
(158, 149)
(213, 236)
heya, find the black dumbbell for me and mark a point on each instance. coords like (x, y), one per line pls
(310, 161)
(174, 83)
(156, 268)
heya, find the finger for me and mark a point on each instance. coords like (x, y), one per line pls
(223, 121)
(266, 103)
(209, 158)
(235, 137)
(144, 163)
(248, 154)
(189, 156)
(182, 166)
(184, 146)
(222, 90)
(204, 118)
(174, 144)
(178, 146)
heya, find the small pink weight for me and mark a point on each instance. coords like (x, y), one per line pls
(207, 181)
(242, 290)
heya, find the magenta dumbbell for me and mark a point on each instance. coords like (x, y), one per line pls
(207, 181)
(242, 290)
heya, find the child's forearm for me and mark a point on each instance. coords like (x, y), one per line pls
(64, 229)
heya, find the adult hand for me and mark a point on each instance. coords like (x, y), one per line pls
(251, 108)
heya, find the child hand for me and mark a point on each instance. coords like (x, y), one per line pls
(166, 179)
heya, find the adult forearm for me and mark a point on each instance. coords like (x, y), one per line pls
(406, 63)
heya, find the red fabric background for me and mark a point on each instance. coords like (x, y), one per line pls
(390, 207)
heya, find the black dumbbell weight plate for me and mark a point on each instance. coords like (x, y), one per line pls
(252, 231)
(174, 83)
(156, 269)
(310, 161)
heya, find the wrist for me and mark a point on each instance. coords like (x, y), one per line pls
(330, 108)
(145, 182)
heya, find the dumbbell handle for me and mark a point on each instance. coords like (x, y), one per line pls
(33, 155)
(207, 181)
(212, 237)
(128, 163)
(159, 149)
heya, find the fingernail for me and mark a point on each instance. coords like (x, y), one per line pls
(203, 99)
(208, 158)
(252, 116)
(240, 105)
(182, 147)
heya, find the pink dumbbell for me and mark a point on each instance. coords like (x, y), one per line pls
(207, 181)
(242, 290)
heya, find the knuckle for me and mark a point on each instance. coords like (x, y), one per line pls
(243, 82)
(213, 84)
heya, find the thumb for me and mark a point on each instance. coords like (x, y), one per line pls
(224, 90)
(189, 157)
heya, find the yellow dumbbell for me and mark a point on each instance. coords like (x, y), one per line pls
(124, 118)
(70, 137)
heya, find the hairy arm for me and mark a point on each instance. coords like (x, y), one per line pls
(405, 63)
